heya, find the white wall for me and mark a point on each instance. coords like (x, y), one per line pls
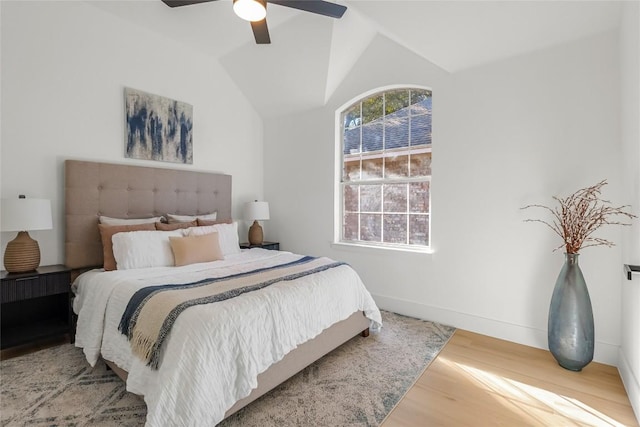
(629, 364)
(506, 134)
(64, 67)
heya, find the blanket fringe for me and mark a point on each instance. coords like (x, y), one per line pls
(142, 345)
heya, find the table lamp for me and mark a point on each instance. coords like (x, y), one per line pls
(21, 214)
(256, 211)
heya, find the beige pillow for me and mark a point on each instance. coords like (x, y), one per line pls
(128, 221)
(195, 249)
(175, 226)
(205, 222)
(107, 231)
(173, 218)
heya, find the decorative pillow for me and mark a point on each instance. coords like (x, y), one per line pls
(128, 221)
(195, 249)
(175, 226)
(188, 218)
(203, 222)
(227, 236)
(143, 249)
(106, 233)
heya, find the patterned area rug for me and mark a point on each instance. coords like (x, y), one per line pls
(355, 385)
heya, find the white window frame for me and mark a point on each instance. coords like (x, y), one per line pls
(338, 184)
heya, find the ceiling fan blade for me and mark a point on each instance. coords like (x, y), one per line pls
(320, 7)
(178, 3)
(261, 32)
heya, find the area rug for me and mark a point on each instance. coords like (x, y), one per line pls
(355, 385)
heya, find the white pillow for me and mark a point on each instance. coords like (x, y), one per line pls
(125, 221)
(227, 236)
(143, 249)
(171, 218)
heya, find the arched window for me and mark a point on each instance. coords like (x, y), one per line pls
(385, 159)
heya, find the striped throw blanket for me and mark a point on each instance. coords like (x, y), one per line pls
(152, 310)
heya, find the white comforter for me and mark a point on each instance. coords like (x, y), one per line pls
(214, 353)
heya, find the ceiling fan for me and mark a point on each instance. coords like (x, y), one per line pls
(255, 11)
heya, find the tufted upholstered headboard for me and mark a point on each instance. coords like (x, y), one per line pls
(123, 191)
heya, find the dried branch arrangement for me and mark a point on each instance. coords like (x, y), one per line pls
(580, 215)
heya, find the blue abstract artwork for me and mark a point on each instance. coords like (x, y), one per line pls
(158, 128)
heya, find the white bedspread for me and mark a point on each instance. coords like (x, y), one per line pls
(214, 353)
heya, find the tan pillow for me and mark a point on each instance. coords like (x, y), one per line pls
(107, 231)
(171, 218)
(195, 249)
(128, 221)
(205, 222)
(175, 226)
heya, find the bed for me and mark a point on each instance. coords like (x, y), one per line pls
(216, 358)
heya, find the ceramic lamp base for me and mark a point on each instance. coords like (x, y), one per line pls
(255, 234)
(22, 254)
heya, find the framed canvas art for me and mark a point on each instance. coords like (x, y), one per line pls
(158, 128)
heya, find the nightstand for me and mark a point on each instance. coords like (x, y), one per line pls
(274, 246)
(35, 305)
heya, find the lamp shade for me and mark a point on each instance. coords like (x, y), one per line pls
(256, 211)
(22, 214)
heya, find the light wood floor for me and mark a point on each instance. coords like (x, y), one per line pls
(482, 381)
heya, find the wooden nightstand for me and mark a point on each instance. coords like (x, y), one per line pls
(274, 246)
(35, 305)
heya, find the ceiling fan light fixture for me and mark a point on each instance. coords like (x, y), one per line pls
(250, 10)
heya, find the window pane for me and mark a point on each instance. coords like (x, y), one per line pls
(421, 164)
(350, 195)
(395, 198)
(352, 117)
(420, 101)
(371, 169)
(372, 136)
(350, 226)
(396, 167)
(396, 103)
(421, 130)
(371, 227)
(351, 171)
(395, 229)
(351, 141)
(419, 197)
(370, 198)
(372, 108)
(396, 132)
(419, 230)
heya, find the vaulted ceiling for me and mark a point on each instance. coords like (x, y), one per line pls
(310, 54)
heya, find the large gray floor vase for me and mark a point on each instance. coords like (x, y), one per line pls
(571, 331)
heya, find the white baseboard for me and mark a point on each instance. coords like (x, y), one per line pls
(631, 383)
(604, 352)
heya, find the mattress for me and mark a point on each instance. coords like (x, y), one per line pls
(214, 353)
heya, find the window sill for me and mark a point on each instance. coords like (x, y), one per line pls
(354, 247)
